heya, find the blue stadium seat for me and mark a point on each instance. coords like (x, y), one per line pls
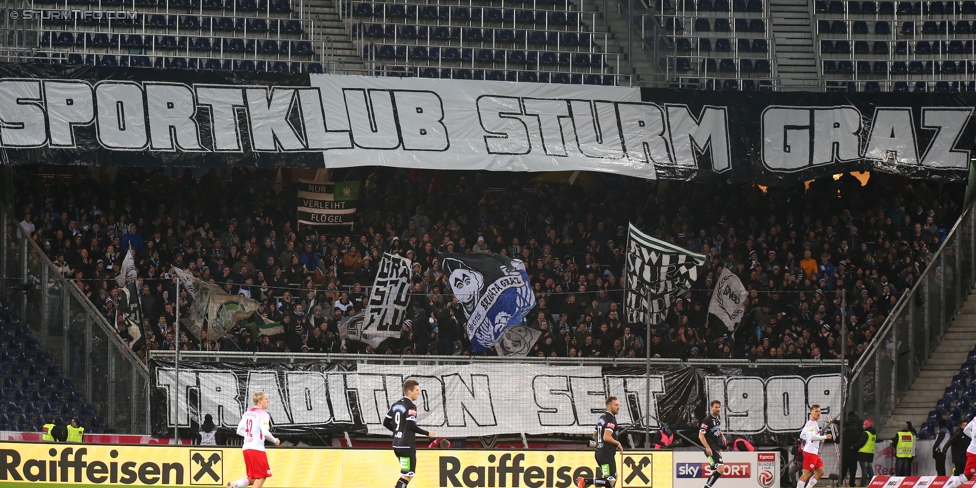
(923, 47)
(920, 87)
(820, 6)
(683, 64)
(762, 66)
(257, 25)
(930, 27)
(835, 7)
(829, 66)
(880, 67)
(723, 45)
(845, 67)
(201, 44)
(471, 35)
(838, 27)
(683, 44)
(842, 47)
(880, 47)
(757, 25)
(581, 60)
(859, 27)
(705, 45)
(861, 47)
(745, 65)
(742, 25)
(516, 57)
(899, 68)
(886, 8)
(882, 27)
(826, 47)
(702, 25)
(302, 48)
(722, 25)
(293, 27)
(562, 78)
(726, 65)
(744, 45)
(748, 85)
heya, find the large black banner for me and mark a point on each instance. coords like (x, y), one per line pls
(765, 403)
(785, 137)
(58, 114)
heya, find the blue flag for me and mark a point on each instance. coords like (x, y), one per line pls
(494, 292)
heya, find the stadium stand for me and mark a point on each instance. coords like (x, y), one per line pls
(247, 35)
(872, 241)
(543, 41)
(958, 401)
(713, 44)
(896, 46)
(34, 388)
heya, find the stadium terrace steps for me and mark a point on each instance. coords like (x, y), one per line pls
(937, 373)
(792, 28)
(614, 22)
(343, 57)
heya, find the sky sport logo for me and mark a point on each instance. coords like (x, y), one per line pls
(704, 470)
(70, 15)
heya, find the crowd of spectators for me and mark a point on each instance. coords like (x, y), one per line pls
(796, 249)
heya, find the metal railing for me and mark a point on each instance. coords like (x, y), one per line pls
(916, 325)
(76, 335)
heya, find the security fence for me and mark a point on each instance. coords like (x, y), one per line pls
(79, 339)
(910, 334)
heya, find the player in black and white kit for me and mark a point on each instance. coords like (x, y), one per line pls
(709, 435)
(402, 420)
(607, 446)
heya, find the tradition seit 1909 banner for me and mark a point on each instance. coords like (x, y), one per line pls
(57, 114)
(767, 403)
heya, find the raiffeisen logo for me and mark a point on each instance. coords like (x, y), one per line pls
(506, 471)
(69, 465)
(704, 470)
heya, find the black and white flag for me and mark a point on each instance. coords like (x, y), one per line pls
(728, 299)
(656, 272)
(388, 300)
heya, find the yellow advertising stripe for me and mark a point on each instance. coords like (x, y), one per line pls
(85, 465)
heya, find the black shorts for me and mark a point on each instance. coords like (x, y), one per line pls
(606, 464)
(407, 456)
(716, 458)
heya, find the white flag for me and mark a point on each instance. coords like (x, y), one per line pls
(728, 299)
(128, 274)
(517, 341)
(186, 280)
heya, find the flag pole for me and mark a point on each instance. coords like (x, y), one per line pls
(646, 419)
(647, 384)
(176, 368)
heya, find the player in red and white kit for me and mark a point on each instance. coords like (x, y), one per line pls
(255, 428)
(811, 437)
(970, 470)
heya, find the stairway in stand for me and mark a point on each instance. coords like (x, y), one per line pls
(937, 373)
(793, 42)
